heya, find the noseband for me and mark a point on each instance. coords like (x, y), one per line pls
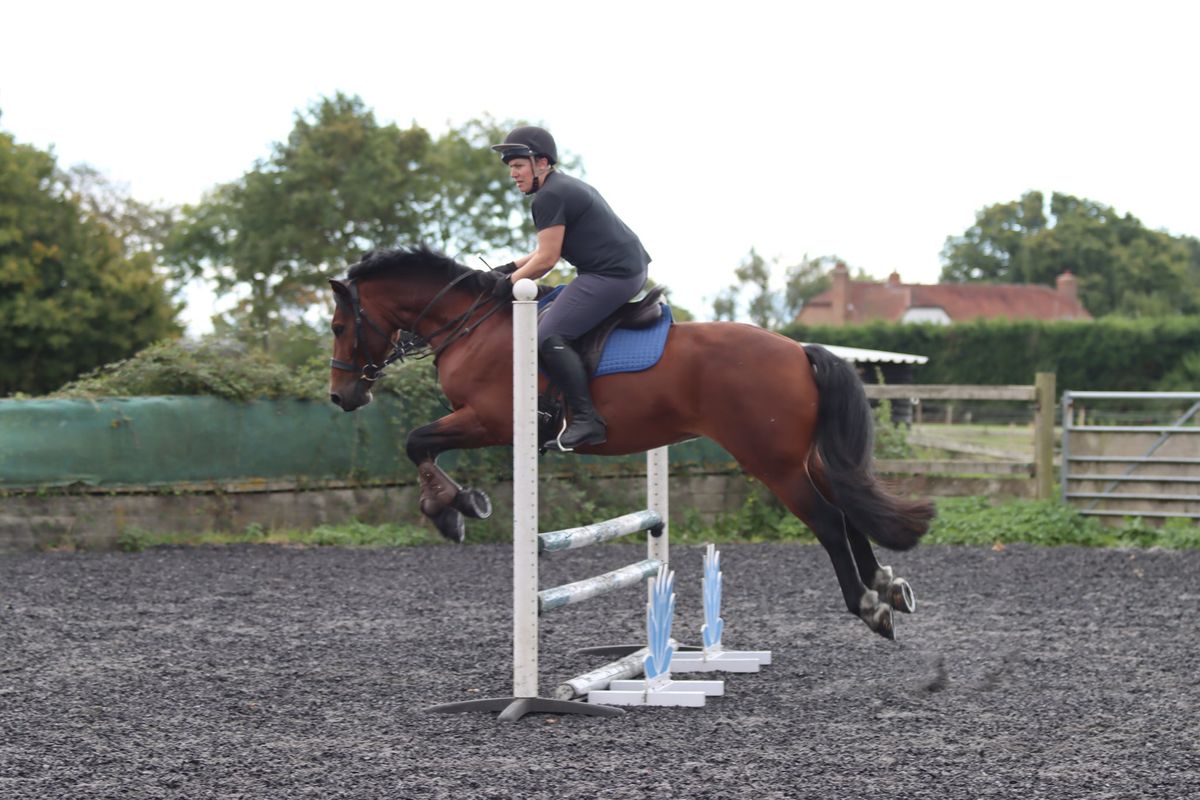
(408, 342)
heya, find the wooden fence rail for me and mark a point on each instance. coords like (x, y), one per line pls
(1041, 394)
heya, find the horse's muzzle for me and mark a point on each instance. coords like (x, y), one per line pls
(351, 400)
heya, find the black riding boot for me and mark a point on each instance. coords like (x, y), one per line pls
(564, 366)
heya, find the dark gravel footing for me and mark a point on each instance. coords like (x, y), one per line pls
(264, 672)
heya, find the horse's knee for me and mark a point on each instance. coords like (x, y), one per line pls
(419, 445)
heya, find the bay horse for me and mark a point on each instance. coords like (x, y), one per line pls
(794, 416)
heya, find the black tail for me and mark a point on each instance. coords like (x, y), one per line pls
(845, 439)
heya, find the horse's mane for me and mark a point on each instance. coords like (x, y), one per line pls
(408, 259)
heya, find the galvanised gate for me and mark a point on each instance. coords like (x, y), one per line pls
(1132, 454)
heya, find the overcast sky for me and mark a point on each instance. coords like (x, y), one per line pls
(869, 130)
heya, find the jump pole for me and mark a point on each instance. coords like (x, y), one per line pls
(528, 602)
(525, 699)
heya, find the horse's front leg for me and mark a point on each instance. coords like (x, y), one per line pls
(443, 499)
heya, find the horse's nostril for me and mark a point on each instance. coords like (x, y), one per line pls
(335, 398)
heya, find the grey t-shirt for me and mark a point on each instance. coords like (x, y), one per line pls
(596, 241)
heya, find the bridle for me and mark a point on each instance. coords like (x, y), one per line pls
(409, 344)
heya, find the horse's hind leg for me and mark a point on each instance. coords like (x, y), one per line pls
(829, 525)
(893, 590)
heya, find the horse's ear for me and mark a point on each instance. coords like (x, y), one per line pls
(340, 290)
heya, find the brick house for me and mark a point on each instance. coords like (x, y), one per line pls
(853, 302)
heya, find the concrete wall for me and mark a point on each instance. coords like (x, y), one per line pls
(95, 521)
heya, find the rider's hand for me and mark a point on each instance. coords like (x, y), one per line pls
(507, 269)
(488, 279)
(503, 290)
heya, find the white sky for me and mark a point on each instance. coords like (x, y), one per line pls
(872, 130)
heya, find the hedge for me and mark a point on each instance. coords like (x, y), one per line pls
(1110, 354)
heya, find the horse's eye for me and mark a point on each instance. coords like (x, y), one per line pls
(337, 329)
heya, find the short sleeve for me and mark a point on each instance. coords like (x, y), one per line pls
(548, 210)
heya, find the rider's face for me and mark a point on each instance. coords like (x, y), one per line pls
(521, 171)
(524, 170)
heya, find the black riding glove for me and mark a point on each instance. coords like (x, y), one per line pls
(503, 289)
(496, 282)
(507, 269)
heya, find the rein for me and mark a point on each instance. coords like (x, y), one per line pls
(411, 344)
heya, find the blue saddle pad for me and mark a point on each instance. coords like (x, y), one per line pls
(628, 350)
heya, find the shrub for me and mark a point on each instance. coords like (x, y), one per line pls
(215, 367)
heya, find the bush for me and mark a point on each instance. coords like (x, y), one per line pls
(215, 367)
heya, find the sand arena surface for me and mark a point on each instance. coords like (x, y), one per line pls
(267, 672)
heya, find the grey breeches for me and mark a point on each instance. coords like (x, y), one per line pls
(584, 304)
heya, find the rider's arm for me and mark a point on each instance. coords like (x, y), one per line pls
(543, 259)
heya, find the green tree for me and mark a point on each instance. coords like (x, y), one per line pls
(74, 294)
(767, 307)
(141, 227)
(1122, 266)
(806, 280)
(342, 184)
(754, 279)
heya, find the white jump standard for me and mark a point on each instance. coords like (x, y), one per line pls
(528, 602)
(656, 659)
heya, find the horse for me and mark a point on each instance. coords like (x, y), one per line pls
(794, 416)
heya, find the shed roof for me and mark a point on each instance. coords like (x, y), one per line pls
(862, 355)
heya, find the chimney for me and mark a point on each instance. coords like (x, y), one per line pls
(840, 297)
(1068, 287)
(894, 278)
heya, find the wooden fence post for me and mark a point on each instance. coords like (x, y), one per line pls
(1043, 435)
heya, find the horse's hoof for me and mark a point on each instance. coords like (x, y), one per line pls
(896, 591)
(880, 621)
(901, 597)
(450, 524)
(877, 615)
(473, 503)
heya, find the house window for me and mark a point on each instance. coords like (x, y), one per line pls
(937, 316)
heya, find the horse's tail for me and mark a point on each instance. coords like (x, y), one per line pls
(845, 440)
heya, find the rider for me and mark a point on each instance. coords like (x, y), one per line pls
(573, 222)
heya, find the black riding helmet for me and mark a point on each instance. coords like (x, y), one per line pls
(528, 141)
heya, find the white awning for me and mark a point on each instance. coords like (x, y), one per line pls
(860, 355)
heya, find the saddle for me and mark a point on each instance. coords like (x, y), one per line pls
(635, 315)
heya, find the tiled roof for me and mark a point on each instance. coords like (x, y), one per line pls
(961, 301)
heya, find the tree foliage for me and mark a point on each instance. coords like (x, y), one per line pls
(768, 307)
(76, 288)
(342, 184)
(1122, 266)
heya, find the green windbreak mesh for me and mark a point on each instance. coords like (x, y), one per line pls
(168, 440)
(162, 440)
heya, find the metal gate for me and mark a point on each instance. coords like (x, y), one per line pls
(1122, 463)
